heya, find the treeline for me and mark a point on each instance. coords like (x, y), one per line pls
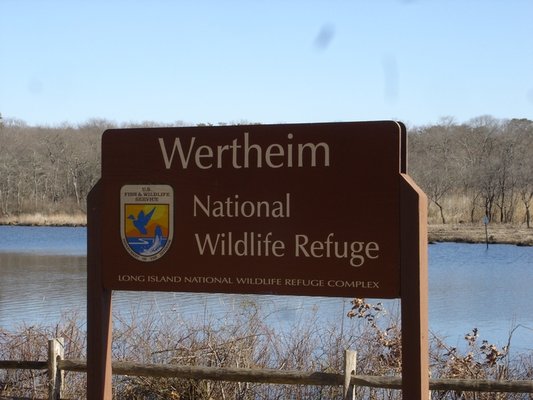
(483, 167)
(50, 170)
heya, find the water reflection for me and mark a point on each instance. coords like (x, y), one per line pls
(61, 240)
(469, 286)
(38, 288)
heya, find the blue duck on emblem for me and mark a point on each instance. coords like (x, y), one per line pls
(142, 220)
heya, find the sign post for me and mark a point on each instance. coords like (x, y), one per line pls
(299, 209)
(414, 291)
(99, 315)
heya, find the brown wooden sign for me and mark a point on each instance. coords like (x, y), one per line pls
(309, 209)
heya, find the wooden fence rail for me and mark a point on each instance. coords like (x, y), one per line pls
(272, 376)
(296, 377)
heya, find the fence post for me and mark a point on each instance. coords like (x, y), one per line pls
(56, 351)
(350, 364)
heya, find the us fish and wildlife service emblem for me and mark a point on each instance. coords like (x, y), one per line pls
(146, 220)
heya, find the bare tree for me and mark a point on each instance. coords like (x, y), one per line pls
(432, 161)
(522, 130)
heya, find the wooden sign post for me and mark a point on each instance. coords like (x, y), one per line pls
(300, 209)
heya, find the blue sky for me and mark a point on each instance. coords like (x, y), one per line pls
(265, 61)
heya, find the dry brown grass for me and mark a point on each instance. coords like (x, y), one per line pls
(38, 219)
(475, 233)
(242, 339)
(457, 209)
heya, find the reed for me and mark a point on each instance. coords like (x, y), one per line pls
(242, 339)
(39, 219)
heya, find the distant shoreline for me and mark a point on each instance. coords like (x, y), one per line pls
(518, 235)
(39, 219)
(459, 233)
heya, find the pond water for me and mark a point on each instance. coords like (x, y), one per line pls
(43, 275)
